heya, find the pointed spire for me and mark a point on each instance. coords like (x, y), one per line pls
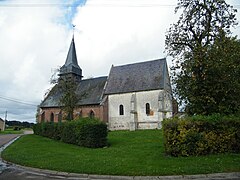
(72, 56)
(71, 65)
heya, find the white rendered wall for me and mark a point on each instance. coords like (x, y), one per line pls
(136, 113)
(116, 121)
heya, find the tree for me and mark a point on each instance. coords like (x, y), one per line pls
(69, 97)
(222, 82)
(193, 42)
(67, 86)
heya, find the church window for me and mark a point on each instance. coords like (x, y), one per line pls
(91, 114)
(43, 117)
(121, 110)
(60, 116)
(52, 117)
(68, 116)
(80, 114)
(147, 108)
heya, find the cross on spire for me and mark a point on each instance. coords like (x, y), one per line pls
(73, 28)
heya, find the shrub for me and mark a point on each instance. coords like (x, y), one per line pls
(68, 134)
(17, 128)
(92, 134)
(201, 135)
(58, 128)
(85, 132)
(48, 130)
(37, 129)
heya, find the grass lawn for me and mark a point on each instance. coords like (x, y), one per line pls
(11, 131)
(130, 153)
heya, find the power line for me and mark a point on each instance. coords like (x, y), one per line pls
(18, 5)
(38, 5)
(17, 101)
(77, 5)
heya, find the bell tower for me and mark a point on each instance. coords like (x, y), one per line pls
(71, 68)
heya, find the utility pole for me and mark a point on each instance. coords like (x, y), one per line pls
(5, 121)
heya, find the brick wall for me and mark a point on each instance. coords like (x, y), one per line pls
(55, 114)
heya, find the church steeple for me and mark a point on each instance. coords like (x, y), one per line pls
(71, 66)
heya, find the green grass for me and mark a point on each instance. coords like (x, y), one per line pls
(130, 153)
(11, 131)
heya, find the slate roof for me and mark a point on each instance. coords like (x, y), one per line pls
(91, 91)
(71, 64)
(149, 75)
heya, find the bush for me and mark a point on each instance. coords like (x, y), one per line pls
(201, 135)
(17, 128)
(37, 129)
(58, 128)
(92, 134)
(83, 132)
(68, 134)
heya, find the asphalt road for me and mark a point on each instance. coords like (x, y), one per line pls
(5, 138)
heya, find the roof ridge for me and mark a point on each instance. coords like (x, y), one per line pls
(94, 78)
(142, 76)
(143, 62)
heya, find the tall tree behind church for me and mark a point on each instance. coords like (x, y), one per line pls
(190, 42)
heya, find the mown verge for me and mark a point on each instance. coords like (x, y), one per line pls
(129, 153)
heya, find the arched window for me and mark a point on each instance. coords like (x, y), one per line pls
(80, 114)
(121, 110)
(91, 114)
(43, 117)
(60, 116)
(52, 117)
(147, 108)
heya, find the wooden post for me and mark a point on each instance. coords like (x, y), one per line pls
(4, 123)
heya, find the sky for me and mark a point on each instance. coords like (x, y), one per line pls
(35, 36)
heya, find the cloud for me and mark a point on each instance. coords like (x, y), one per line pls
(119, 32)
(33, 40)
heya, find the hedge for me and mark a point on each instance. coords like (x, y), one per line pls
(84, 132)
(201, 136)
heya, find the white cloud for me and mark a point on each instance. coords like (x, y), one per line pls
(33, 40)
(119, 32)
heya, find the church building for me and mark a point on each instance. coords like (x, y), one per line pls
(133, 96)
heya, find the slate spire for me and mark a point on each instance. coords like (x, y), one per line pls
(71, 66)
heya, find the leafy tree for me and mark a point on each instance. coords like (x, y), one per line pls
(67, 86)
(195, 42)
(221, 76)
(69, 98)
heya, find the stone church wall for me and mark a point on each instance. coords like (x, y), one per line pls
(115, 120)
(135, 114)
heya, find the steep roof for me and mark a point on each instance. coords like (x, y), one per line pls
(1, 119)
(90, 91)
(71, 63)
(149, 75)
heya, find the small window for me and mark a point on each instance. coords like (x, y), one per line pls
(91, 114)
(80, 114)
(147, 108)
(52, 117)
(121, 110)
(43, 117)
(60, 116)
